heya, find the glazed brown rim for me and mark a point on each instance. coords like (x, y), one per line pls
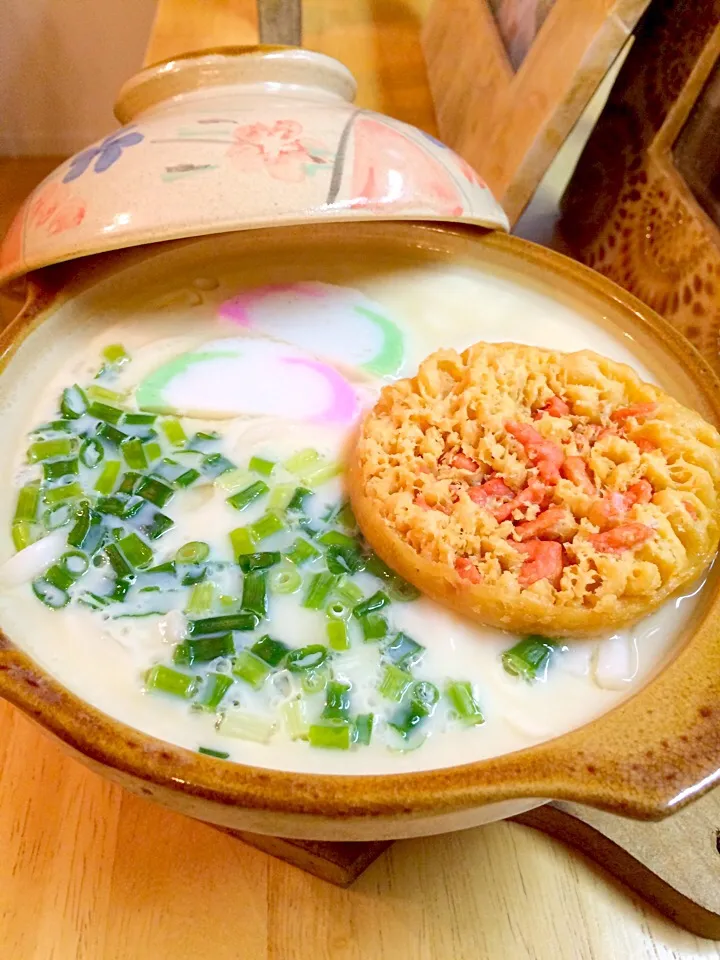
(644, 759)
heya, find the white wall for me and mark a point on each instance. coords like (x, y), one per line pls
(61, 65)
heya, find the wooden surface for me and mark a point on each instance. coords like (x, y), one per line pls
(88, 872)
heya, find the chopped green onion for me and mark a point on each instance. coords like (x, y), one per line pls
(202, 442)
(110, 433)
(174, 432)
(242, 541)
(281, 496)
(337, 634)
(215, 464)
(346, 518)
(333, 538)
(92, 453)
(306, 658)
(321, 586)
(155, 491)
(51, 596)
(108, 476)
(49, 449)
(53, 426)
(171, 681)
(244, 498)
(59, 577)
(403, 650)
(315, 681)
(139, 419)
(251, 669)
(394, 683)
(301, 552)
(129, 482)
(296, 503)
(269, 650)
(209, 752)
(116, 354)
(230, 621)
(201, 598)
(344, 559)
(258, 561)
(246, 726)
(232, 480)
(337, 610)
(334, 736)
(67, 491)
(87, 532)
(254, 597)
(529, 658)
(374, 603)
(21, 534)
(75, 563)
(285, 579)
(121, 588)
(162, 568)
(270, 523)
(156, 526)
(301, 461)
(204, 649)
(295, 720)
(57, 516)
(153, 451)
(337, 701)
(96, 392)
(464, 703)
(397, 588)
(192, 573)
(111, 506)
(364, 728)
(133, 453)
(133, 507)
(349, 591)
(193, 552)
(186, 478)
(27, 502)
(136, 551)
(324, 472)
(419, 706)
(117, 561)
(215, 687)
(261, 466)
(374, 627)
(312, 469)
(56, 469)
(105, 412)
(73, 403)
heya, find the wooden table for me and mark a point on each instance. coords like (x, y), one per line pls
(88, 872)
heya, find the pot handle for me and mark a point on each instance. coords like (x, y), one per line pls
(280, 22)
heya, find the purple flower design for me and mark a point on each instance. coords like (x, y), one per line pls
(104, 155)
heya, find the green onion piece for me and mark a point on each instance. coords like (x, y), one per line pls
(242, 541)
(139, 419)
(209, 752)
(96, 392)
(181, 654)
(251, 669)
(285, 579)
(58, 516)
(333, 538)
(464, 702)
(334, 736)
(419, 706)
(56, 469)
(395, 682)
(270, 523)
(337, 701)
(261, 466)
(172, 428)
(157, 525)
(342, 560)
(133, 507)
(312, 469)
(269, 650)
(110, 433)
(105, 412)
(185, 479)
(315, 681)
(53, 426)
(154, 491)
(230, 621)
(49, 449)
(346, 518)
(67, 491)
(374, 603)
(121, 588)
(111, 506)
(215, 464)
(27, 502)
(202, 442)
(529, 658)
(397, 588)
(116, 354)
(192, 573)
(403, 650)
(296, 724)
(302, 460)
(337, 610)
(21, 534)
(87, 532)
(254, 597)
(306, 658)
(201, 598)
(321, 586)
(323, 473)
(171, 681)
(129, 482)
(301, 552)
(364, 728)
(232, 480)
(51, 596)
(75, 563)
(193, 552)
(108, 476)
(117, 561)
(162, 568)
(153, 451)
(136, 551)
(92, 453)
(204, 649)
(214, 689)
(258, 561)
(246, 726)
(59, 577)
(244, 498)
(374, 627)
(133, 453)
(296, 504)
(73, 403)
(280, 496)
(349, 591)
(337, 634)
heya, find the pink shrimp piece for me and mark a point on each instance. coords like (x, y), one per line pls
(576, 471)
(555, 407)
(621, 538)
(644, 445)
(467, 570)
(544, 562)
(641, 492)
(486, 491)
(462, 462)
(546, 455)
(636, 410)
(543, 523)
(535, 492)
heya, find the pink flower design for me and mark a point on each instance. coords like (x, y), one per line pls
(276, 149)
(56, 209)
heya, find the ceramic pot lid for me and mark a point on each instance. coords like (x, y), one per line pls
(236, 139)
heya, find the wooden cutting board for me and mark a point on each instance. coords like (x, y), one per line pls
(674, 864)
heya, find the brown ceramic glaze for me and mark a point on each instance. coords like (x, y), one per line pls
(644, 759)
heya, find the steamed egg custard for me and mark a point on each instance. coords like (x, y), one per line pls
(185, 557)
